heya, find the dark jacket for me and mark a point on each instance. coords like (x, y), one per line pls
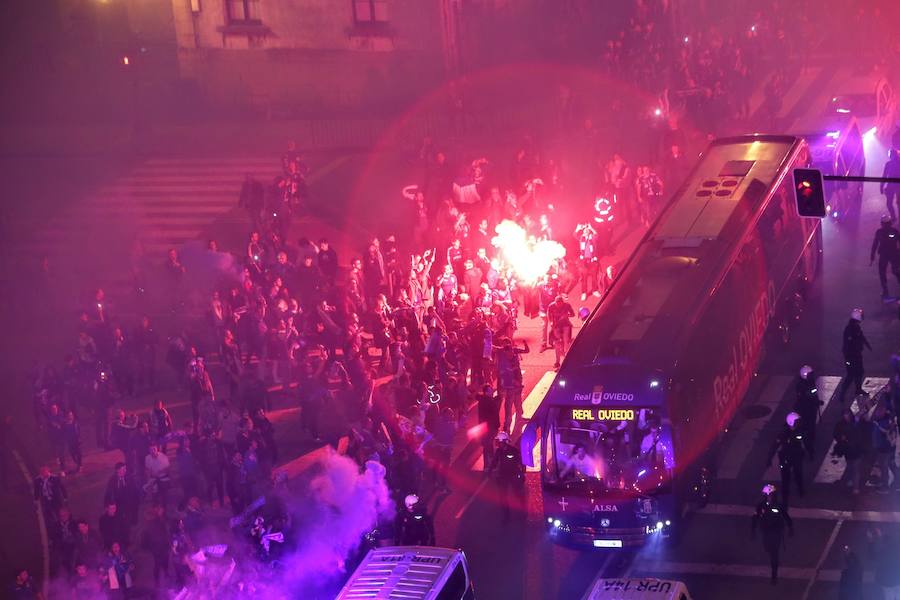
(489, 410)
(788, 445)
(51, 493)
(886, 243)
(771, 519)
(848, 439)
(808, 403)
(851, 584)
(125, 494)
(113, 529)
(854, 341)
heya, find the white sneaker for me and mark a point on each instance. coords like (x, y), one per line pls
(596, 294)
(583, 296)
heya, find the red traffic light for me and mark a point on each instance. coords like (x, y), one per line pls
(809, 190)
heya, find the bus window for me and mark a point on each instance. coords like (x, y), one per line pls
(771, 223)
(635, 453)
(455, 587)
(780, 233)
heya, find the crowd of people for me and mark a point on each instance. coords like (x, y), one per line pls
(385, 355)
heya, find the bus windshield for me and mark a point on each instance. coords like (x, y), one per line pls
(612, 449)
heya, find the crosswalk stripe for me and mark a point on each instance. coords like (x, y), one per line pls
(162, 202)
(180, 208)
(229, 161)
(529, 405)
(174, 188)
(747, 434)
(821, 514)
(105, 195)
(827, 387)
(799, 87)
(832, 467)
(648, 567)
(176, 179)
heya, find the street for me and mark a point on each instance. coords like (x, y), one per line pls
(173, 200)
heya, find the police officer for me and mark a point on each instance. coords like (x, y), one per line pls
(414, 526)
(789, 446)
(887, 244)
(853, 343)
(807, 406)
(507, 470)
(771, 518)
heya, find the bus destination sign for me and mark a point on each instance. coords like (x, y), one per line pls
(603, 414)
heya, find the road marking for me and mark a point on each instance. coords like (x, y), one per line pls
(822, 557)
(42, 525)
(827, 388)
(868, 516)
(529, 406)
(327, 168)
(600, 573)
(832, 468)
(800, 86)
(471, 499)
(479, 462)
(534, 398)
(655, 568)
(731, 570)
(747, 434)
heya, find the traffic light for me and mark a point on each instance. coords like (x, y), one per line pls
(809, 189)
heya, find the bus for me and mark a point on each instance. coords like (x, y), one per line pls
(626, 433)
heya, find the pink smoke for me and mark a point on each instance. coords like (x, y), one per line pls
(337, 507)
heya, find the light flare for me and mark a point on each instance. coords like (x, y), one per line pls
(477, 432)
(529, 258)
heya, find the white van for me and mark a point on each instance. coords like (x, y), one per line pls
(647, 588)
(411, 573)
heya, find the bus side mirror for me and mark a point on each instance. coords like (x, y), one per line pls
(809, 191)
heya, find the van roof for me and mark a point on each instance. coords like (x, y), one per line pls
(400, 572)
(640, 588)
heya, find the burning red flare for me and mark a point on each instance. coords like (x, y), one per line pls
(528, 257)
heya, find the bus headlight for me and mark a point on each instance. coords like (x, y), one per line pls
(658, 527)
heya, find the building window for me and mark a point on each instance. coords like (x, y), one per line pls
(370, 11)
(242, 12)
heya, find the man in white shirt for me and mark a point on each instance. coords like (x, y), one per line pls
(581, 464)
(656, 450)
(157, 465)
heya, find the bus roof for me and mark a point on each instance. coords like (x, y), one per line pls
(394, 572)
(651, 305)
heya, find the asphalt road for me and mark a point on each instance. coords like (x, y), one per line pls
(356, 196)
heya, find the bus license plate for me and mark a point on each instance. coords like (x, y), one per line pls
(607, 543)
